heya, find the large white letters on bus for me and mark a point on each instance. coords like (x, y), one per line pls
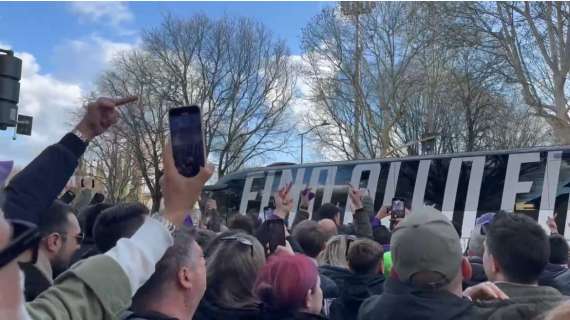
(324, 179)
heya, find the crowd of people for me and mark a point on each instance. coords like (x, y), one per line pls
(120, 261)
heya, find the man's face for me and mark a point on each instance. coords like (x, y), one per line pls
(489, 264)
(70, 244)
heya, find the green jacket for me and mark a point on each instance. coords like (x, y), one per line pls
(96, 288)
(525, 302)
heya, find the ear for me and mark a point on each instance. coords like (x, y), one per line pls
(185, 278)
(308, 298)
(495, 266)
(466, 269)
(53, 242)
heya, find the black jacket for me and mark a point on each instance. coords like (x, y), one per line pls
(35, 282)
(33, 190)
(406, 303)
(355, 289)
(556, 276)
(336, 274)
(207, 310)
(478, 275)
(329, 287)
(277, 315)
(148, 315)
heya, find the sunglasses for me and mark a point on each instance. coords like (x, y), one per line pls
(79, 237)
(244, 241)
(25, 236)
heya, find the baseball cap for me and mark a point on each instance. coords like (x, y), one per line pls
(426, 241)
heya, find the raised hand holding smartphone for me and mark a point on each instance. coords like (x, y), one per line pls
(187, 140)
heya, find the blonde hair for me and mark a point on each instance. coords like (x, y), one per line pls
(335, 252)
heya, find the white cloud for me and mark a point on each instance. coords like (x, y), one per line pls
(50, 101)
(82, 60)
(114, 14)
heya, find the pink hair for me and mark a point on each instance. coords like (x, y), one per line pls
(283, 282)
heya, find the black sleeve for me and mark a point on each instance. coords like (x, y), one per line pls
(34, 189)
(300, 216)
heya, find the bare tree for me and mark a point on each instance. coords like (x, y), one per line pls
(534, 38)
(393, 36)
(143, 127)
(240, 76)
(115, 167)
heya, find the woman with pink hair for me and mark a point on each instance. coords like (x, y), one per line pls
(289, 288)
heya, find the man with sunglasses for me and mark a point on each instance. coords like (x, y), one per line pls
(61, 238)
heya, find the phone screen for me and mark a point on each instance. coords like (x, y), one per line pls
(398, 210)
(276, 234)
(187, 140)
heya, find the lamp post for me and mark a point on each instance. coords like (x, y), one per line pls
(302, 134)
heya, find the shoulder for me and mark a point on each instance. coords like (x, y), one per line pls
(368, 307)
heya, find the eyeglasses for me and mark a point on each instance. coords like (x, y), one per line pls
(25, 236)
(80, 237)
(244, 241)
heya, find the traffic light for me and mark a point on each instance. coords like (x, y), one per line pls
(10, 75)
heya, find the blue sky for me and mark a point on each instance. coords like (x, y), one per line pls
(65, 45)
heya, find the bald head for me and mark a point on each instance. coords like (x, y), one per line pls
(328, 228)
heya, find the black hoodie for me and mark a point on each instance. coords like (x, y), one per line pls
(208, 310)
(402, 302)
(556, 276)
(356, 288)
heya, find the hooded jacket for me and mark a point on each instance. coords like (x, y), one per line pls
(556, 276)
(526, 301)
(402, 302)
(356, 288)
(208, 310)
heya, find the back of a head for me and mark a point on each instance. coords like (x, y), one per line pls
(476, 246)
(327, 211)
(243, 223)
(328, 228)
(310, 237)
(519, 245)
(55, 219)
(364, 256)
(204, 237)
(88, 215)
(233, 261)
(166, 272)
(283, 282)
(426, 250)
(558, 250)
(335, 250)
(119, 221)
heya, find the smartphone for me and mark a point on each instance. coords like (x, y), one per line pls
(276, 229)
(187, 139)
(397, 210)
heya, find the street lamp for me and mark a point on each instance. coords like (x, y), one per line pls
(302, 134)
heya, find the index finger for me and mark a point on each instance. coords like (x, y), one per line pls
(122, 101)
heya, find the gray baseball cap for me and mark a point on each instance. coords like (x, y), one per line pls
(426, 241)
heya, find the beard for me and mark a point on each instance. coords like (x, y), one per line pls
(59, 265)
